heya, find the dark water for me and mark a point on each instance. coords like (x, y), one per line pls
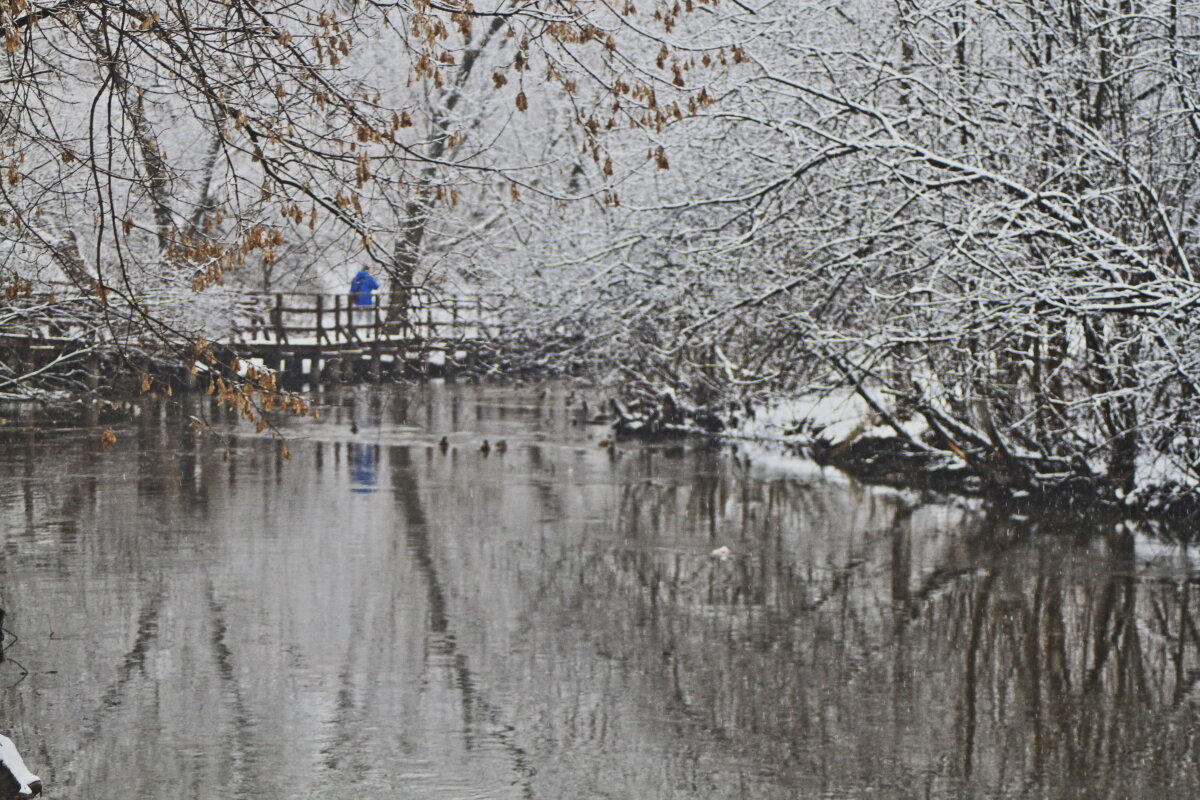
(374, 618)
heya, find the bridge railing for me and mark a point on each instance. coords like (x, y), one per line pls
(413, 315)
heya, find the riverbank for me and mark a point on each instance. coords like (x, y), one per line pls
(874, 443)
(898, 447)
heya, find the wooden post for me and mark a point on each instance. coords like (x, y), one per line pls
(376, 364)
(320, 320)
(280, 330)
(406, 322)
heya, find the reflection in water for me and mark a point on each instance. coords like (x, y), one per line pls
(364, 461)
(380, 616)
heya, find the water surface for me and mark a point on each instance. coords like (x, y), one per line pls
(202, 617)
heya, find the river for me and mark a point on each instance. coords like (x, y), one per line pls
(204, 615)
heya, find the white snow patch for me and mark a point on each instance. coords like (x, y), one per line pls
(1158, 469)
(834, 416)
(16, 765)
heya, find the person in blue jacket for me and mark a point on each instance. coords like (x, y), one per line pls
(361, 286)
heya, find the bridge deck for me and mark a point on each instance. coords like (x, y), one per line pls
(326, 337)
(307, 335)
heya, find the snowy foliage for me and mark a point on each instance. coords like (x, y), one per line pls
(978, 213)
(982, 213)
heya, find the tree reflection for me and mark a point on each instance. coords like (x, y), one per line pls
(549, 623)
(1013, 656)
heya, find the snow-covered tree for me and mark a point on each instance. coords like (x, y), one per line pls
(980, 213)
(151, 150)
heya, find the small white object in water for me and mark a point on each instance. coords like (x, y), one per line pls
(30, 784)
(722, 552)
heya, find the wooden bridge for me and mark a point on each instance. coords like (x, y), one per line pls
(331, 337)
(305, 336)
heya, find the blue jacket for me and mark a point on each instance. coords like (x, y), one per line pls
(362, 285)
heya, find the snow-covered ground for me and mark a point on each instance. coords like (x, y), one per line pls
(842, 416)
(836, 416)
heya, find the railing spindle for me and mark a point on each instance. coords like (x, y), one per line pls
(320, 320)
